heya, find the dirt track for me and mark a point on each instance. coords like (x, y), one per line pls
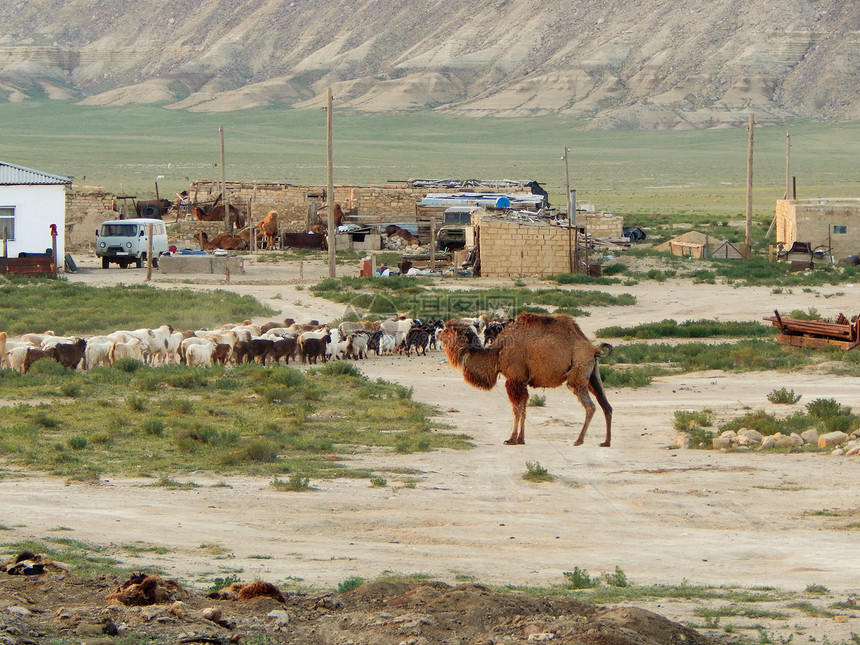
(662, 515)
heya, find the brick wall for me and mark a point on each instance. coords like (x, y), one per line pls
(602, 224)
(510, 249)
(86, 209)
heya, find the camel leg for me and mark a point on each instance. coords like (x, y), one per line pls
(596, 387)
(584, 398)
(518, 394)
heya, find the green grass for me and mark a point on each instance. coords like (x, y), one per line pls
(119, 307)
(669, 328)
(417, 297)
(271, 421)
(696, 173)
(84, 559)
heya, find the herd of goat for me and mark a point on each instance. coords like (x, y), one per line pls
(272, 343)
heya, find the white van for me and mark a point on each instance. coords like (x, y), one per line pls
(124, 241)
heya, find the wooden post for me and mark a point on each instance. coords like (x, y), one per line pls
(570, 214)
(788, 164)
(748, 241)
(148, 252)
(224, 197)
(332, 233)
(432, 243)
(54, 264)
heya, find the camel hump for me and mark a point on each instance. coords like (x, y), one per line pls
(529, 318)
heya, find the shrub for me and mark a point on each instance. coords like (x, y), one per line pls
(78, 442)
(378, 482)
(537, 401)
(71, 389)
(295, 483)
(616, 579)
(340, 368)
(686, 420)
(261, 450)
(350, 584)
(824, 408)
(537, 473)
(129, 365)
(135, 403)
(579, 579)
(783, 396)
(154, 427)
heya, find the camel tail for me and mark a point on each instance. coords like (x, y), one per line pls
(604, 350)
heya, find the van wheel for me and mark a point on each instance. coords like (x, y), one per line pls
(105, 263)
(155, 262)
(139, 261)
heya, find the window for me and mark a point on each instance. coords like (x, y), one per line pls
(840, 230)
(7, 222)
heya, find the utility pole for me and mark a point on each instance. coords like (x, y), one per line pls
(788, 164)
(332, 272)
(570, 213)
(224, 182)
(748, 243)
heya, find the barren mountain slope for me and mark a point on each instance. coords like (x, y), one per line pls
(658, 63)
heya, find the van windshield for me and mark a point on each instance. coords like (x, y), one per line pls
(119, 230)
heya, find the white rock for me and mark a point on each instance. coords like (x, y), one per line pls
(279, 617)
(810, 436)
(832, 439)
(754, 435)
(722, 443)
(838, 452)
(790, 441)
(744, 440)
(768, 442)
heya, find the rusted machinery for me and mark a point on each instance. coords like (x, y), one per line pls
(816, 333)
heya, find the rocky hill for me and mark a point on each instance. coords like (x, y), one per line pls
(650, 64)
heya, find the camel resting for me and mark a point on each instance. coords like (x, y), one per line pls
(537, 350)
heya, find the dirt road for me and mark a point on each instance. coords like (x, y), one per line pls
(662, 515)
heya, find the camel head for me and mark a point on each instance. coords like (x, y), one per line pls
(458, 339)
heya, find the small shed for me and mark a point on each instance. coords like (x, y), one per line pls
(32, 211)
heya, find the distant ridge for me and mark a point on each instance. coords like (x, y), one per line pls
(656, 64)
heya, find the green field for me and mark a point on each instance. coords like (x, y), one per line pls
(125, 149)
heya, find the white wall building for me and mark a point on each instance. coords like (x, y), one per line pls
(30, 202)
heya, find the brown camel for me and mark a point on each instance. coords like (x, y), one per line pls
(269, 227)
(538, 350)
(226, 241)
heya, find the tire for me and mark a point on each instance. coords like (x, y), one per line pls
(105, 263)
(151, 211)
(155, 262)
(139, 261)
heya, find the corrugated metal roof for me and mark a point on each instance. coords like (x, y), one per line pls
(12, 175)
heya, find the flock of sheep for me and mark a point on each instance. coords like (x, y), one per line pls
(268, 344)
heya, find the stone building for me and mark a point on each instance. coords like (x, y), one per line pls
(829, 225)
(517, 247)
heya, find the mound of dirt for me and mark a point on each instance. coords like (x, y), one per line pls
(54, 605)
